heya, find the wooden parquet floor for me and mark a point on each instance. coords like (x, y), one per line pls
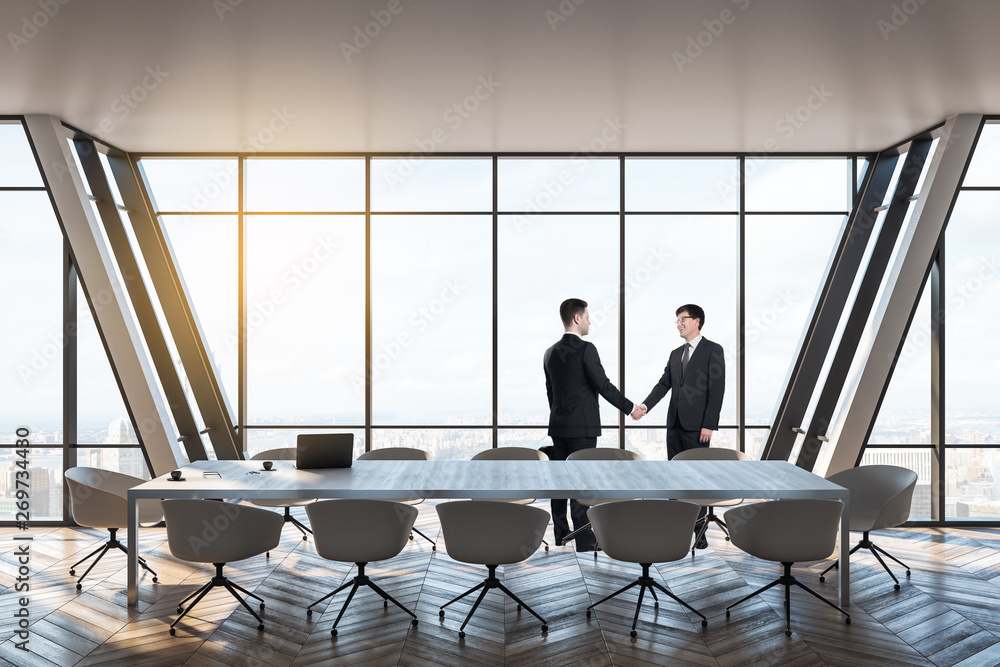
(946, 614)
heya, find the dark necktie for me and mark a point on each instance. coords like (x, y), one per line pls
(684, 358)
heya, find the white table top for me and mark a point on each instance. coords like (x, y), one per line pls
(498, 479)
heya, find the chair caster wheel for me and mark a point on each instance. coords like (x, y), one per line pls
(72, 573)
(180, 610)
(822, 578)
(896, 587)
(385, 604)
(656, 604)
(267, 554)
(411, 538)
(79, 587)
(727, 538)
(461, 634)
(305, 538)
(519, 607)
(704, 623)
(545, 628)
(633, 634)
(434, 548)
(727, 613)
(595, 554)
(172, 631)
(414, 622)
(309, 612)
(588, 613)
(333, 633)
(155, 580)
(907, 573)
(260, 626)
(441, 613)
(546, 548)
(261, 605)
(847, 620)
(788, 633)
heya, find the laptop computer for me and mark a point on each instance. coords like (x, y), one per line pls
(324, 450)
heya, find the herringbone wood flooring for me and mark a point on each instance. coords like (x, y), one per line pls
(947, 613)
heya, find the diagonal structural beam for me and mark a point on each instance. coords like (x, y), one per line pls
(829, 304)
(141, 303)
(176, 304)
(906, 278)
(105, 295)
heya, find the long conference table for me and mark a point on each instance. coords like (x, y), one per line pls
(494, 479)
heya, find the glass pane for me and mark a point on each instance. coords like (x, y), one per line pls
(660, 277)
(419, 184)
(305, 319)
(206, 250)
(798, 185)
(971, 474)
(45, 477)
(972, 281)
(754, 440)
(31, 335)
(537, 437)
(985, 166)
(580, 184)
(115, 193)
(904, 417)
(917, 460)
(786, 261)
(532, 285)
(443, 444)
(17, 163)
(309, 184)
(262, 439)
(101, 414)
(682, 184)
(125, 461)
(650, 442)
(193, 185)
(432, 287)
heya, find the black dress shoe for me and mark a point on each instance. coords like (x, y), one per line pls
(702, 544)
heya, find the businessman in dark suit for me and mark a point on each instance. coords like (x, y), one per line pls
(573, 379)
(696, 372)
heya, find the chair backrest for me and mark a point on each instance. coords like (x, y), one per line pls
(510, 454)
(786, 531)
(623, 529)
(604, 454)
(489, 532)
(98, 498)
(396, 454)
(279, 454)
(355, 530)
(880, 495)
(712, 454)
(210, 531)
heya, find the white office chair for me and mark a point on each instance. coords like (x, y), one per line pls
(210, 531)
(880, 498)
(598, 454)
(402, 454)
(491, 533)
(378, 531)
(98, 499)
(513, 454)
(712, 454)
(645, 532)
(283, 454)
(788, 532)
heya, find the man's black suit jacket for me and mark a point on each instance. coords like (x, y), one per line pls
(696, 399)
(573, 379)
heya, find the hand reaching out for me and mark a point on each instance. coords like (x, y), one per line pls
(638, 412)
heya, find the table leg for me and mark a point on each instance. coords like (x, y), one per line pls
(845, 557)
(133, 552)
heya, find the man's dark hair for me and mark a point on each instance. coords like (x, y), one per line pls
(570, 308)
(693, 311)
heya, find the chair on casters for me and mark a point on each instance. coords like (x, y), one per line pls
(880, 498)
(788, 532)
(283, 454)
(598, 454)
(402, 454)
(98, 499)
(491, 533)
(711, 454)
(513, 454)
(378, 529)
(242, 532)
(645, 532)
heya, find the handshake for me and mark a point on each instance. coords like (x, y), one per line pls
(638, 411)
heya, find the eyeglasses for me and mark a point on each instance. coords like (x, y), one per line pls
(680, 320)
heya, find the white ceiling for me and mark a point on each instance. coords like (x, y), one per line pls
(609, 68)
